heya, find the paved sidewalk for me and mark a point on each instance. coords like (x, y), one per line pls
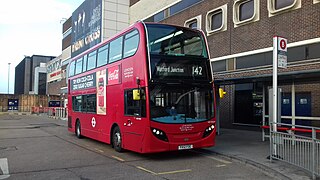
(248, 148)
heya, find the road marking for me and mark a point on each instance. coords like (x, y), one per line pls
(118, 158)
(4, 168)
(174, 172)
(214, 158)
(146, 170)
(99, 150)
(217, 159)
(163, 173)
(221, 165)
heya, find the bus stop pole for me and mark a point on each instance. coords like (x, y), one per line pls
(275, 92)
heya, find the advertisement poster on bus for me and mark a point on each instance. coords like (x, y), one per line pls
(84, 82)
(113, 75)
(101, 92)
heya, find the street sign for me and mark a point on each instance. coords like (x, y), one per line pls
(282, 52)
(282, 44)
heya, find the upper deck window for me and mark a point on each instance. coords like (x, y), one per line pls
(79, 66)
(85, 61)
(115, 53)
(103, 55)
(131, 43)
(175, 41)
(72, 68)
(92, 60)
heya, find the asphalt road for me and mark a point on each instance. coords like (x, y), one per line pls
(37, 147)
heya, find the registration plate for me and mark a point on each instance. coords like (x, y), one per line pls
(183, 147)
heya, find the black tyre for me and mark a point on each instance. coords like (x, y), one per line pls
(78, 129)
(117, 139)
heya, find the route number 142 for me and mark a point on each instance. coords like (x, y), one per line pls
(197, 70)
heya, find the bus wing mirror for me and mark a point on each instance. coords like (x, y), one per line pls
(136, 94)
(221, 93)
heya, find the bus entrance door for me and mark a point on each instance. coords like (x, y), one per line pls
(134, 120)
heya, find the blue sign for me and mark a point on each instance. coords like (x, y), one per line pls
(86, 26)
(13, 104)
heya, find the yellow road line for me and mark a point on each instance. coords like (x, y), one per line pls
(146, 170)
(118, 158)
(174, 172)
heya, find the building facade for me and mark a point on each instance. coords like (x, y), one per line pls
(30, 76)
(92, 22)
(239, 34)
(54, 76)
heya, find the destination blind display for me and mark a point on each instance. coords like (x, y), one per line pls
(174, 70)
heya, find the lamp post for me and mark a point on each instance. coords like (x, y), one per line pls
(8, 76)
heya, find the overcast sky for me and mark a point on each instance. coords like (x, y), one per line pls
(30, 27)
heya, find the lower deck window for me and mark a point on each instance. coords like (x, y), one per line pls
(84, 103)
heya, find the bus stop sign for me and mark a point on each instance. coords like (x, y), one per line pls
(282, 52)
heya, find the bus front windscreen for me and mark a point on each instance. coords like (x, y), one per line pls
(175, 41)
(176, 104)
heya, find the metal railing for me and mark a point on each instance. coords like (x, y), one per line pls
(298, 146)
(265, 123)
(55, 112)
(58, 112)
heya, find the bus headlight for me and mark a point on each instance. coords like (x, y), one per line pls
(208, 131)
(159, 134)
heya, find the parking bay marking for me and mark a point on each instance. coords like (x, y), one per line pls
(4, 168)
(214, 158)
(163, 173)
(99, 150)
(118, 158)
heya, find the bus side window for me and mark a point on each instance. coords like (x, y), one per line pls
(92, 60)
(79, 66)
(91, 103)
(134, 107)
(77, 103)
(131, 43)
(115, 52)
(103, 55)
(85, 60)
(72, 68)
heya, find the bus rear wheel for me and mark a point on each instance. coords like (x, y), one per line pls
(117, 139)
(78, 129)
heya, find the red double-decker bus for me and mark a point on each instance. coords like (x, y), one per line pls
(147, 89)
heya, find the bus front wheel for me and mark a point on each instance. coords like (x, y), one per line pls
(78, 129)
(117, 139)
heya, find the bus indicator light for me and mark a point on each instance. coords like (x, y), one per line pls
(221, 93)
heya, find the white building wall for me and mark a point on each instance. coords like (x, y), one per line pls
(115, 15)
(147, 8)
(41, 69)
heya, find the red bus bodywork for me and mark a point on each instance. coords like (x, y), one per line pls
(136, 132)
